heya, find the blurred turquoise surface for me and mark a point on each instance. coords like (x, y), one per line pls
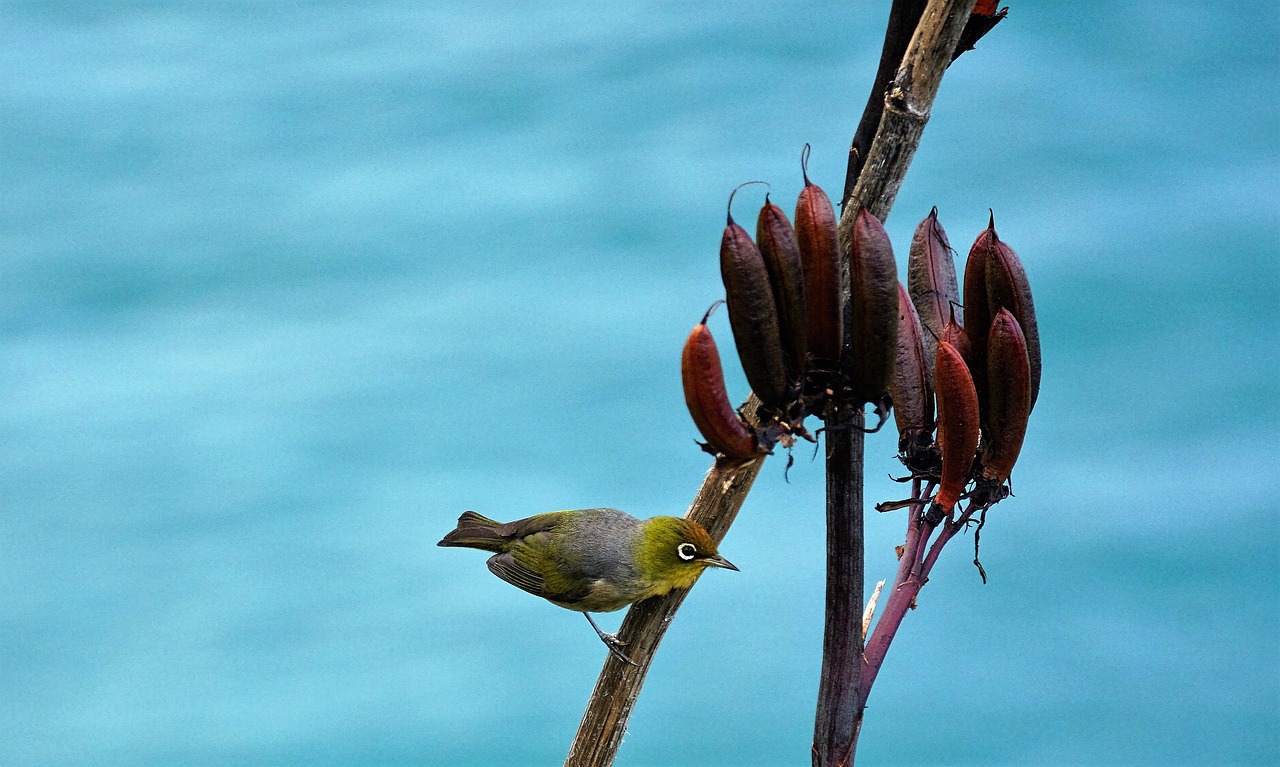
(286, 287)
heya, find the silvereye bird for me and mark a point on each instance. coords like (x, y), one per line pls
(592, 560)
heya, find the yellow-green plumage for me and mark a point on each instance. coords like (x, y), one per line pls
(591, 560)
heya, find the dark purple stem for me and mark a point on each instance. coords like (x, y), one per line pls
(945, 533)
(948, 531)
(918, 559)
(839, 713)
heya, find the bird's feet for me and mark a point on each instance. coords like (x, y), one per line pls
(611, 641)
(615, 646)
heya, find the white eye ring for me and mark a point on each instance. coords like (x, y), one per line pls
(687, 551)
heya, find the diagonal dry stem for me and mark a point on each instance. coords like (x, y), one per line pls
(605, 720)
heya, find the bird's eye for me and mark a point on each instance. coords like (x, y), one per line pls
(687, 551)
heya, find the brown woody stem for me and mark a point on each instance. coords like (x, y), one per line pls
(605, 720)
(904, 15)
(907, 103)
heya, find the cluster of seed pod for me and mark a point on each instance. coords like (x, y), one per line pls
(783, 294)
(981, 366)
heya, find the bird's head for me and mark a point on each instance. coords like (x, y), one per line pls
(674, 551)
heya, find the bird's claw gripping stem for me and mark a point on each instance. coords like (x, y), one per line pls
(612, 641)
(615, 646)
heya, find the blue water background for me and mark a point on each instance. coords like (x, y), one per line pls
(285, 287)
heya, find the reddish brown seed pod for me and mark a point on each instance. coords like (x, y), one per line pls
(752, 313)
(707, 399)
(777, 242)
(912, 393)
(977, 310)
(931, 280)
(1007, 287)
(1008, 397)
(820, 257)
(873, 329)
(958, 429)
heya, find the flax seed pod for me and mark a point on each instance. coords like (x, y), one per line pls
(777, 242)
(958, 429)
(1007, 287)
(752, 314)
(820, 256)
(910, 387)
(931, 280)
(977, 310)
(1008, 397)
(708, 402)
(873, 280)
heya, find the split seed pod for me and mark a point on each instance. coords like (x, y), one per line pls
(873, 279)
(708, 402)
(977, 310)
(1007, 287)
(1008, 397)
(958, 429)
(931, 279)
(752, 313)
(910, 387)
(777, 242)
(820, 257)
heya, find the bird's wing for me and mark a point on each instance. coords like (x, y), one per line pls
(520, 567)
(505, 567)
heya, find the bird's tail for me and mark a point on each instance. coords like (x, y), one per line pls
(475, 532)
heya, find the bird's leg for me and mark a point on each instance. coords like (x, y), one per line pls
(611, 641)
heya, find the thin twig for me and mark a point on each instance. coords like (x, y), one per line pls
(911, 546)
(946, 531)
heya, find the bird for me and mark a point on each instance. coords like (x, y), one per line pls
(592, 560)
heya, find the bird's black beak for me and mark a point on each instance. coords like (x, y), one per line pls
(719, 561)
